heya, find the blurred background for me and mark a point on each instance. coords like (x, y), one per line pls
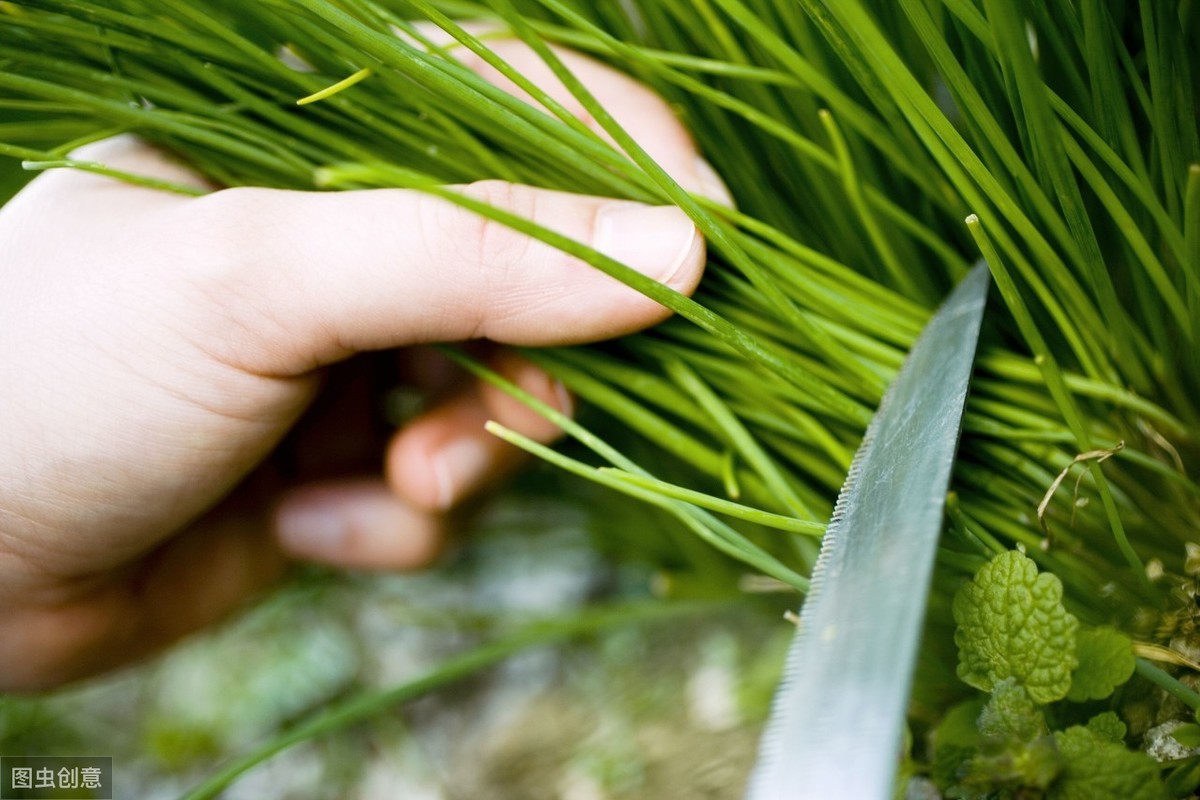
(668, 708)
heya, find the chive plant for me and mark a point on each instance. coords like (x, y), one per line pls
(875, 150)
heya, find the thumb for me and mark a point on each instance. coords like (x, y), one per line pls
(308, 278)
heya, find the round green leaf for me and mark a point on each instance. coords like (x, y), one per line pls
(1012, 624)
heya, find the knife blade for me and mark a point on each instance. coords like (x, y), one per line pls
(836, 722)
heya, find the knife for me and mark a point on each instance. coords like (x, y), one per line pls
(837, 718)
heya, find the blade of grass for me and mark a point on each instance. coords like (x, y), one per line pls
(1054, 381)
(720, 536)
(716, 233)
(739, 437)
(717, 504)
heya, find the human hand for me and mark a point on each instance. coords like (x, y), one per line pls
(159, 348)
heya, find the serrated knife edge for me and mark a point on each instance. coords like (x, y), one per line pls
(832, 735)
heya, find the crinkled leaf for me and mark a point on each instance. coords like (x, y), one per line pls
(1096, 768)
(1015, 750)
(1020, 767)
(1010, 715)
(1012, 624)
(1108, 726)
(1105, 660)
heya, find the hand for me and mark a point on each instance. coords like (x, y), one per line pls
(159, 348)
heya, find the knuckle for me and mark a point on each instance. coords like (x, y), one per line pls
(487, 256)
(495, 247)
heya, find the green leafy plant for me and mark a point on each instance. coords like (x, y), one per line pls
(856, 137)
(1017, 642)
(1017, 756)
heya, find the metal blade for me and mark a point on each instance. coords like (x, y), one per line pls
(838, 715)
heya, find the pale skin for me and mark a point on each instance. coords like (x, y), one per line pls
(158, 349)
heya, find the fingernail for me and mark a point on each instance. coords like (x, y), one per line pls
(709, 184)
(654, 240)
(457, 467)
(310, 527)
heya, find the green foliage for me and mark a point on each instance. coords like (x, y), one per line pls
(954, 741)
(1015, 750)
(1096, 768)
(11, 179)
(856, 135)
(1012, 754)
(1012, 625)
(1187, 735)
(1018, 642)
(851, 179)
(1108, 726)
(1184, 779)
(1011, 715)
(1106, 661)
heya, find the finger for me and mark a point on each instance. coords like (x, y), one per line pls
(301, 279)
(356, 524)
(642, 113)
(510, 412)
(446, 455)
